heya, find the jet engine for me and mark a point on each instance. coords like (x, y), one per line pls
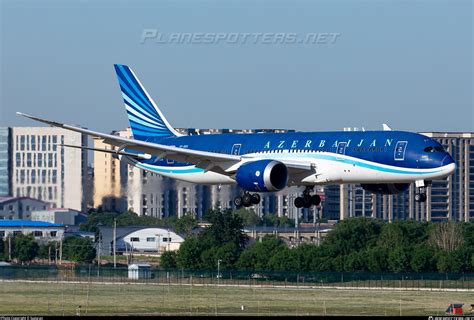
(262, 176)
(386, 188)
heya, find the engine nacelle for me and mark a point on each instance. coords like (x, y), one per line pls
(262, 176)
(386, 188)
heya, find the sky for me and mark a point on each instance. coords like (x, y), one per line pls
(405, 63)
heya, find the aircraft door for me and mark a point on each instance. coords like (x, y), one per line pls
(341, 148)
(400, 148)
(236, 149)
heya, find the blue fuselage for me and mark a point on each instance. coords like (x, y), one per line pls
(393, 148)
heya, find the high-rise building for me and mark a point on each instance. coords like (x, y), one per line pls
(110, 175)
(150, 194)
(5, 161)
(44, 169)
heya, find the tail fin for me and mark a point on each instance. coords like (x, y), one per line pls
(146, 120)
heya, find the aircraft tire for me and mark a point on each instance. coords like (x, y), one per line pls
(238, 201)
(299, 202)
(255, 198)
(247, 200)
(315, 200)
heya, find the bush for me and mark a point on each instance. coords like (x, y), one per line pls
(78, 249)
(168, 260)
(25, 248)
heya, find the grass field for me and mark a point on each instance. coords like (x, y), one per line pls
(20, 298)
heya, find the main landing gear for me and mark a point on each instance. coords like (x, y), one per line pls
(247, 200)
(307, 200)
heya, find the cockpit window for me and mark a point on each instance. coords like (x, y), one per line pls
(429, 149)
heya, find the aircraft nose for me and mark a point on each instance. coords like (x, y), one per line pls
(448, 162)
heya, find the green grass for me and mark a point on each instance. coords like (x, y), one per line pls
(21, 298)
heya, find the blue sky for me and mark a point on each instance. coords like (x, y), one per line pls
(407, 63)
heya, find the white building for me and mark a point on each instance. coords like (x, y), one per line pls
(139, 271)
(150, 240)
(42, 231)
(57, 215)
(45, 170)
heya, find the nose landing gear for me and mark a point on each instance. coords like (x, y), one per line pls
(247, 200)
(307, 200)
(420, 195)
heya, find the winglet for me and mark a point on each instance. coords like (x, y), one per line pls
(386, 127)
(51, 123)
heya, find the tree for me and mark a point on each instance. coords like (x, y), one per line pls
(186, 224)
(355, 261)
(448, 236)
(78, 249)
(422, 258)
(351, 235)
(249, 217)
(2, 248)
(258, 254)
(189, 254)
(376, 259)
(25, 248)
(398, 259)
(47, 250)
(229, 254)
(283, 260)
(304, 255)
(225, 227)
(168, 260)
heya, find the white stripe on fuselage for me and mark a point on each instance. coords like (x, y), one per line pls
(330, 168)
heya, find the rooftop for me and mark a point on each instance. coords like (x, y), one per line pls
(27, 223)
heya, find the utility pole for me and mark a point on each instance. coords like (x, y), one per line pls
(61, 251)
(157, 240)
(114, 247)
(297, 224)
(98, 256)
(9, 248)
(218, 271)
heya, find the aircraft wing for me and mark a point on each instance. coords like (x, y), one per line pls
(159, 150)
(210, 161)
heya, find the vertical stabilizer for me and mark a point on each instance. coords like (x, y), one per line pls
(146, 119)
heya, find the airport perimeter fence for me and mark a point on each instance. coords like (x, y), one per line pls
(92, 273)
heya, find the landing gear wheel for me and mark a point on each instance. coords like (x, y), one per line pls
(420, 197)
(247, 200)
(307, 201)
(315, 200)
(238, 201)
(299, 202)
(255, 198)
